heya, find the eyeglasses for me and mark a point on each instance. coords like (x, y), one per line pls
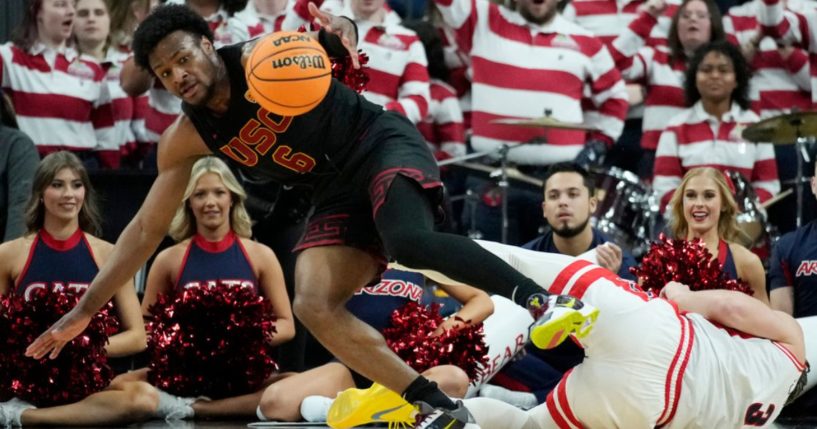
(698, 15)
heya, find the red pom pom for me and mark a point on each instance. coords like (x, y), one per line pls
(5, 366)
(342, 68)
(687, 262)
(344, 71)
(80, 369)
(211, 341)
(410, 338)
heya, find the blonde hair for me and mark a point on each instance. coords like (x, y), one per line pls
(727, 221)
(184, 223)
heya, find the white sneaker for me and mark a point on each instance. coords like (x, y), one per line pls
(523, 400)
(315, 408)
(172, 407)
(11, 412)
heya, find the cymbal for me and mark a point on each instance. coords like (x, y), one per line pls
(783, 129)
(513, 173)
(544, 122)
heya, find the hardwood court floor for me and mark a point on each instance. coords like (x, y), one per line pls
(237, 424)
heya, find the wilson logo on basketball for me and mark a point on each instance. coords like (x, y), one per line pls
(302, 61)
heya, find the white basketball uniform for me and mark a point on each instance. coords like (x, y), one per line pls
(647, 364)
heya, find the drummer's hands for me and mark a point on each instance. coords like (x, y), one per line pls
(341, 27)
(591, 155)
(609, 256)
(60, 333)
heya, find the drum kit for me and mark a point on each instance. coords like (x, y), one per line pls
(628, 210)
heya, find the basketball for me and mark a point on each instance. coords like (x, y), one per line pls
(288, 73)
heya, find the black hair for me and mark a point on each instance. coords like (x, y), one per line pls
(233, 6)
(162, 21)
(570, 167)
(433, 44)
(7, 116)
(742, 74)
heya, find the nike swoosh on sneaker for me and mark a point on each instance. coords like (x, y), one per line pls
(377, 416)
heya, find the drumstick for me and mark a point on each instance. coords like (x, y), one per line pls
(776, 198)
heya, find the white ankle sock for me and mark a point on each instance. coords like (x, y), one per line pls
(315, 408)
(260, 415)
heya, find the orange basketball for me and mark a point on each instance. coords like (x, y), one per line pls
(288, 73)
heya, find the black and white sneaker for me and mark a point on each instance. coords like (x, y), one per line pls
(440, 418)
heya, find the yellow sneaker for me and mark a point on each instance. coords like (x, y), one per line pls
(377, 404)
(561, 316)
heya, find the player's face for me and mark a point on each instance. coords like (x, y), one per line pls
(211, 202)
(694, 25)
(55, 20)
(567, 206)
(537, 11)
(92, 24)
(716, 78)
(702, 204)
(64, 196)
(187, 66)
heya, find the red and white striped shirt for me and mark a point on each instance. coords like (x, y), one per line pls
(792, 27)
(778, 84)
(662, 77)
(258, 23)
(443, 127)
(123, 104)
(608, 18)
(459, 70)
(525, 70)
(696, 139)
(62, 101)
(398, 69)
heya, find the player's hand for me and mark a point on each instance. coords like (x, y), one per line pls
(341, 27)
(54, 338)
(673, 289)
(609, 256)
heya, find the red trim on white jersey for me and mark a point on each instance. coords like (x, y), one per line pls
(559, 406)
(797, 364)
(675, 374)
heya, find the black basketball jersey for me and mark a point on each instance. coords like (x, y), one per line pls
(289, 149)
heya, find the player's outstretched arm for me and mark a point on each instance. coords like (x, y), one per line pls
(179, 147)
(742, 312)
